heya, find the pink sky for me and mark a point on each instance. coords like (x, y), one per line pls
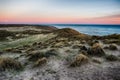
(60, 11)
(100, 20)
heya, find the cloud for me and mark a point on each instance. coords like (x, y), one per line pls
(108, 16)
(112, 16)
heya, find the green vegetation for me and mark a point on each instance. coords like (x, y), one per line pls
(25, 41)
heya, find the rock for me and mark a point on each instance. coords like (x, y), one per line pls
(96, 50)
(40, 62)
(79, 60)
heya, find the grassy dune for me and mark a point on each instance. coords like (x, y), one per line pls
(26, 41)
(60, 54)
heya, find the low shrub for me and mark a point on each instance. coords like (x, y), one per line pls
(9, 63)
(79, 60)
(112, 58)
(8, 49)
(35, 56)
(96, 50)
(40, 62)
(113, 47)
(51, 52)
(96, 61)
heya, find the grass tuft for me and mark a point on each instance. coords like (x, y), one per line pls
(79, 60)
(9, 63)
(40, 62)
(112, 58)
(96, 50)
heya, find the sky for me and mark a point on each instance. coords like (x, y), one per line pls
(60, 11)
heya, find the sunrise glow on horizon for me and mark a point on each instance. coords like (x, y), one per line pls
(60, 11)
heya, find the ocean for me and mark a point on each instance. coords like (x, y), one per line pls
(100, 30)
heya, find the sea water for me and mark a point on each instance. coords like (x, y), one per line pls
(94, 29)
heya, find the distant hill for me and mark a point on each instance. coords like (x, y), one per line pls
(46, 27)
(71, 33)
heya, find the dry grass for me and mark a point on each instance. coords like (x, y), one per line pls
(71, 34)
(9, 63)
(112, 58)
(96, 45)
(51, 52)
(5, 33)
(115, 41)
(35, 55)
(40, 62)
(79, 60)
(76, 46)
(8, 49)
(113, 47)
(96, 50)
(96, 61)
(113, 36)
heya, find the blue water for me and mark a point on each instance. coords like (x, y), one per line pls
(94, 29)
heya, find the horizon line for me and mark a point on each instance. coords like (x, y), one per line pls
(52, 24)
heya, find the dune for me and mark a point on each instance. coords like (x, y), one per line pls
(49, 53)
